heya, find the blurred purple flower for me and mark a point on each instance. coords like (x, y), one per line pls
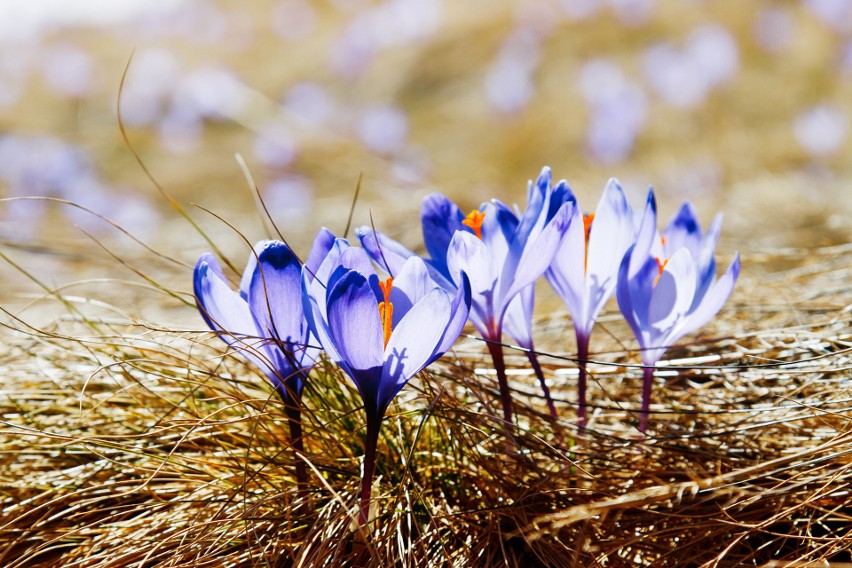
(684, 78)
(633, 12)
(293, 20)
(68, 70)
(309, 103)
(383, 129)
(837, 14)
(821, 130)
(774, 29)
(209, 92)
(584, 270)
(618, 110)
(380, 333)
(275, 145)
(150, 80)
(389, 24)
(667, 285)
(289, 196)
(509, 79)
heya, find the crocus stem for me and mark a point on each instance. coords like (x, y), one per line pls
(531, 355)
(496, 350)
(647, 382)
(370, 444)
(294, 417)
(582, 359)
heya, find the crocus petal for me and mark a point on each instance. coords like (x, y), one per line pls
(459, 310)
(611, 234)
(713, 300)
(467, 254)
(498, 227)
(566, 270)
(537, 255)
(517, 321)
(410, 285)
(672, 295)
(352, 259)
(441, 218)
(534, 217)
(245, 281)
(316, 280)
(683, 230)
(706, 259)
(646, 236)
(226, 312)
(222, 308)
(354, 323)
(412, 343)
(318, 324)
(634, 294)
(274, 293)
(386, 252)
(322, 245)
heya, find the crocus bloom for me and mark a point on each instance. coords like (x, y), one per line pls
(381, 333)
(667, 285)
(501, 253)
(264, 321)
(585, 269)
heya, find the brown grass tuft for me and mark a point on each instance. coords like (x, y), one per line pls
(125, 444)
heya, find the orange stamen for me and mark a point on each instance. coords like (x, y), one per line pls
(661, 265)
(474, 221)
(386, 309)
(587, 229)
(587, 224)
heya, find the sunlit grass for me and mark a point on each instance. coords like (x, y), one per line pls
(125, 443)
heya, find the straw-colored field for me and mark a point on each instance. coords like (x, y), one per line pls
(131, 436)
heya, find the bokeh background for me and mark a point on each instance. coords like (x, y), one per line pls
(741, 107)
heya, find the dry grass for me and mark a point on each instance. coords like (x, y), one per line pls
(125, 444)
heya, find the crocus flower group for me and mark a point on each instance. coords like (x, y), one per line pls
(382, 331)
(502, 253)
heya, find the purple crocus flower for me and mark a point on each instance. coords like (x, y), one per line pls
(667, 285)
(381, 333)
(264, 322)
(584, 271)
(501, 253)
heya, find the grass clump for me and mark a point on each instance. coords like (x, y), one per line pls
(127, 444)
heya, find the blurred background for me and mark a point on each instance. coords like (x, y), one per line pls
(744, 108)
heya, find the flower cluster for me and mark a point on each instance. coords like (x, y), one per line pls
(482, 267)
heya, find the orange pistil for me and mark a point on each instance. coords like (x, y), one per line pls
(474, 221)
(587, 230)
(386, 308)
(661, 265)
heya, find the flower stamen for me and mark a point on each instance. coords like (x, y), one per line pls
(661, 265)
(386, 309)
(474, 221)
(587, 230)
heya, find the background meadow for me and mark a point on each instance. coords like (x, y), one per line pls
(129, 435)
